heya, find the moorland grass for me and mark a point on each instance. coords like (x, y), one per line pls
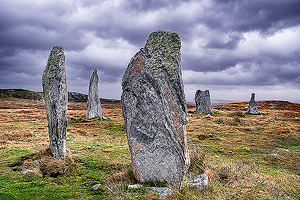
(246, 156)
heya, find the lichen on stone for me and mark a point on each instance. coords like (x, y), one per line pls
(165, 48)
(55, 57)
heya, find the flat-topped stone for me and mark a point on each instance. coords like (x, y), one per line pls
(56, 96)
(252, 109)
(202, 100)
(154, 110)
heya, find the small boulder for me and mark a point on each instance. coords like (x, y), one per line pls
(200, 182)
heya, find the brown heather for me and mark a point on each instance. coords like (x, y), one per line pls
(246, 156)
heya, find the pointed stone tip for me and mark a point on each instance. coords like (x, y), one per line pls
(94, 72)
(56, 52)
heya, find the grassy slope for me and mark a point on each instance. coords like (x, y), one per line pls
(247, 156)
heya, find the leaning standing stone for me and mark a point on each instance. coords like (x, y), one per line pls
(154, 110)
(56, 97)
(94, 108)
(202, 100)
(252, 109)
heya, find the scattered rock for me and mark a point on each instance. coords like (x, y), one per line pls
(96, 186)
(155, 112)
(200, 182)
(202, 100)
(56, 96)
(94, 108)
(252, 109)
(135, 186)
(27, 170)
(163, 192)
(208, 116)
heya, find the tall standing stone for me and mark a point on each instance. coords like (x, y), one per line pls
(56, 97)
(154, 110)
(252, 109)
(202, 100)
(94, 108)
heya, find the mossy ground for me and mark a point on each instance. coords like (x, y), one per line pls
(246, 156)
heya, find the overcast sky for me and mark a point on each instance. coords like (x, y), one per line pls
(231, 47)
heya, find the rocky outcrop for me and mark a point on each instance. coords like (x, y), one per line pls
(252, 109)
(56, 96)
(202, 100)
(77, 97)
(154, 110)
(94, 108)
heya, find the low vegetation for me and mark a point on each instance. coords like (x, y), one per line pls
(246, 156)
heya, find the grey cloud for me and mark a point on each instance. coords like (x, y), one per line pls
(216, 43)
(29, 30)
(261, 15)
(148, 5)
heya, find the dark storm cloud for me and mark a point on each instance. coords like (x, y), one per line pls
(224, 42)
(247, 15)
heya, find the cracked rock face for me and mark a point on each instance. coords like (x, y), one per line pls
(154, 110)
(94, 108)
(202, 100)
(252, 109)
(56, 96)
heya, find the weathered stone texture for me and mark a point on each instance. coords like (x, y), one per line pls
(155, 112)
(202, 100)
(252, 109)
(94, 108)
(56, 96)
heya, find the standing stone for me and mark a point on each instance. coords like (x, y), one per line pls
(202, 100)
(252, 109)
(56, 97)
(154, 110)
(94, 108)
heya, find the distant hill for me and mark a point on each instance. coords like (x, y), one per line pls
(213, 102)
(72, 96)
(21, 94)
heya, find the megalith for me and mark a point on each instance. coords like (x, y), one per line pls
(202, 100)
(252, 109)
(155, 112)
(94, 108)
(56, 96)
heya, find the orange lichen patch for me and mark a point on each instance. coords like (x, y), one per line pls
(135, 147)
(136, 170)
(141, 60)
(138, 64)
